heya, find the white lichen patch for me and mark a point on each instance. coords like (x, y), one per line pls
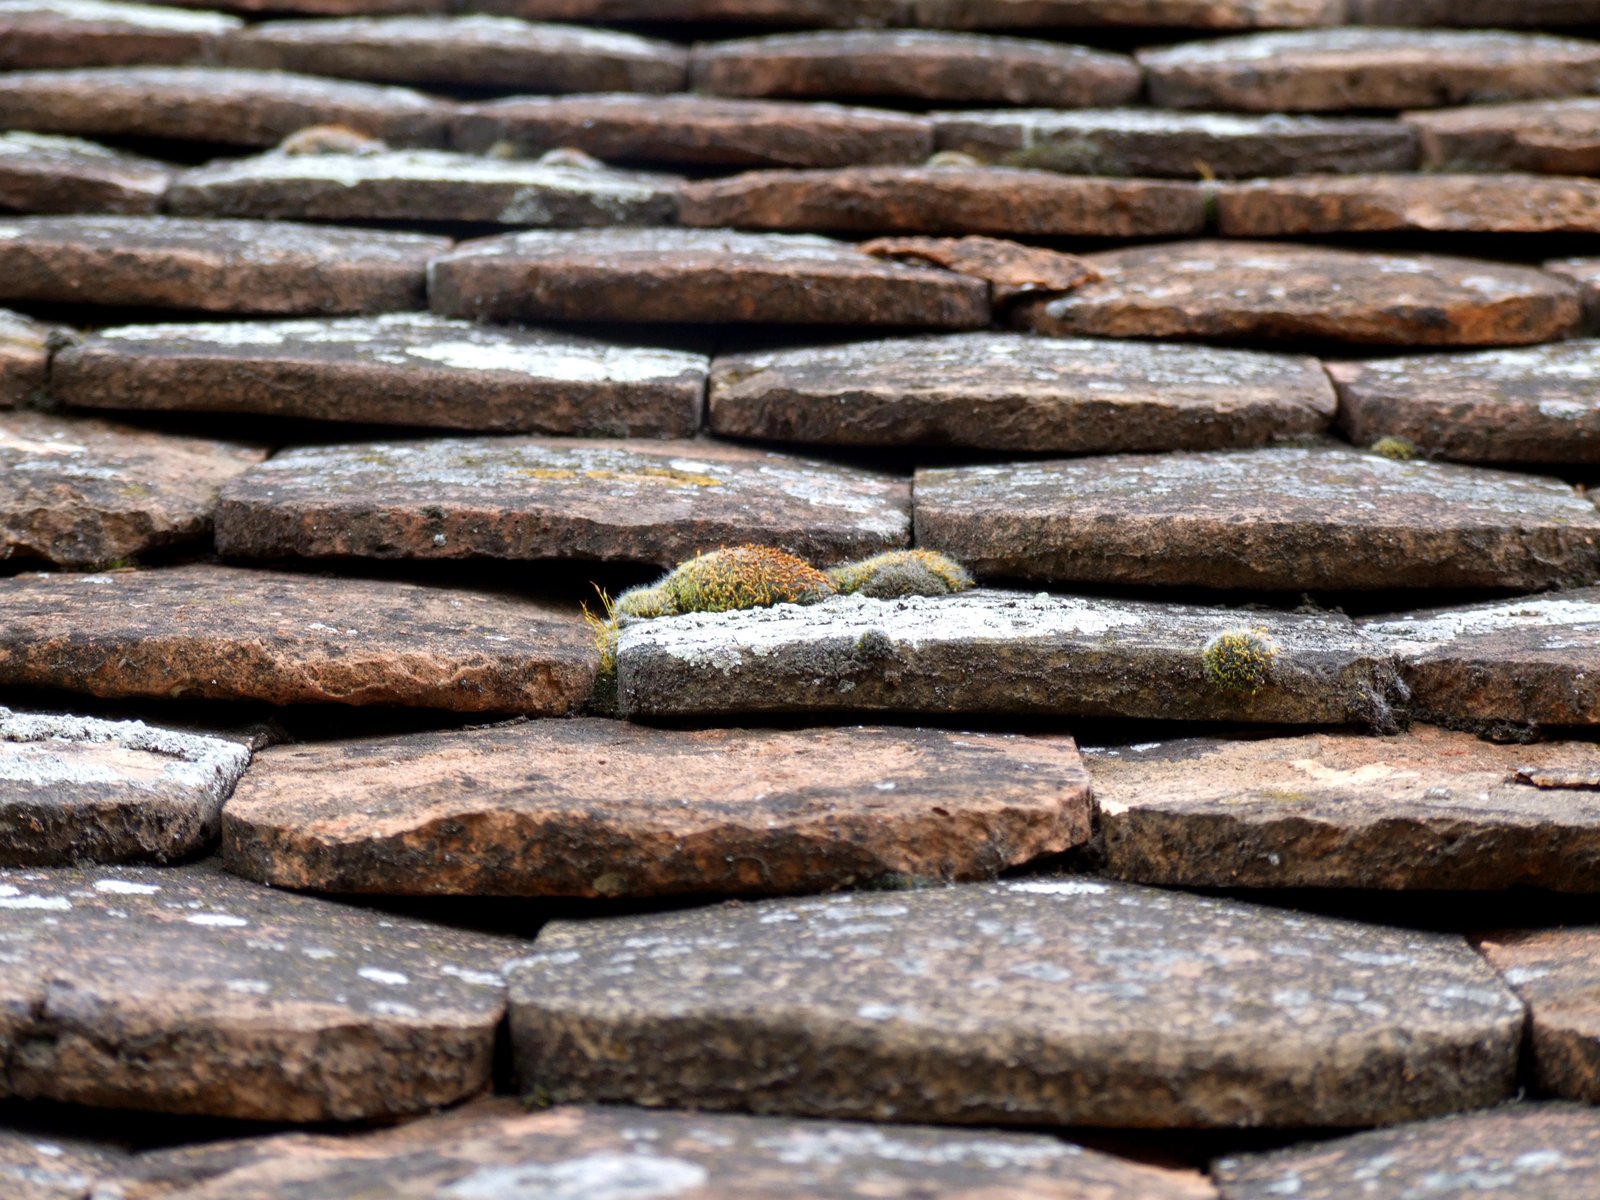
(42, 751)
(147, 85)
(1574, 621)
(832, 1146)
(464, 32)
(428, 166)
(215, 920)
(110, 13)
(621, 248)
(603, 1175)
(1421, 46)
(237, 241)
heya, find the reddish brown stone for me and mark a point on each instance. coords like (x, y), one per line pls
(24, 357)
(1215, 289)
(804, 13)
(1556, 137)
(230, 634)
(1555, 972)
(1009, 268)
(37, 1165)
(321, 8)
(44, 174)
(45, 34)
(1482, 14)
(948, 14)
(1585, 272)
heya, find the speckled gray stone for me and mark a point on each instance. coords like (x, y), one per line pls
(1556, 972)
(43, 34)
(1557, 137)
(24, 357)
(40, 173)
(37, 1165)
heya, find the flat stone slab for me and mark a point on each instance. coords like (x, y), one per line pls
(321, 8)
(1035, 1002)
(45, 34)
(24, 357)
(1556, 137)
(213, 265)
(225, 633)
(39, 1166)
(997, 652)
(1268, 290)
(696, 130)
(213, 105)
(954, 200)
(1283, 518)
(1527, 405)
(1524, 661)
(1424, 810)
(953, 14)
(41, 173)
(698, 276)
(476, 51)
(1006, 391)
(398, 369)
(1555, 973)
(1585, 273)
(1482, 14)
(76, 789)
(184, 990)
(522, 498)
(1330, 70)
(1150, 143)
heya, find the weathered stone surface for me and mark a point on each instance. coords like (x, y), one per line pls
(799, 13)
(1006, 391)
(1284, 518)
(402, 185)
(477, 51)
(213, 105)
(1475, 13)
(1526, 661)
(946, 200)
(230, 634)
(39, 1166)
(40, 173)
(24, 357)
(1218, 289)
(1422, 810)
(1585, 273)
(951, 14)
(522, 498)
(1009, 268)
(1557, 137)
(399, 369)
(321, 8)
(1555, 973)
(695, 275)
(1033, 1002)
(1329, 70)
(212, 265)
(1148, 142)
(997, 652)
(916, 65)
(43, 34)
(184, 990)
(696, 130)
(1529, 405)
(75, 789)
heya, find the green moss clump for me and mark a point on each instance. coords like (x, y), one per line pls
(603, 628)
(650, 600)
(727, 579)
(1238, 660)
(902, 573)
(1396, 449)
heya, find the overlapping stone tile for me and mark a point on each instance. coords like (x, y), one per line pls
(322, 8)
(946, 200)
(44, 34)
(1556, 137)
(1005, 391)
(1554, 972)
(1271, 290)
(696, 130)
(213, 265)
(184, 990)
(40, 173)
(226, 633)
(798, 13)
(1427, 809)
(40, 1166)
(1284, 518)
(1585, 273)
(24, 357)
(950, 14)
(696, 275)
(398, 369)
(522, 498)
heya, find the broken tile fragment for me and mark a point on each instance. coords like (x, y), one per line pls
(1555, 137)
(37, 1165)
(226, 633)
(398, 369)
(40, 173)
(1009, 268)
(1033, 1002)
(47, 34)
(698, 276)
(521, 498)
(1554, 972)
(1283, 518)
(1007, 391)
(24, 357)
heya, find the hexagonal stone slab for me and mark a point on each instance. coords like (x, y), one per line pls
(953, 200)
(399, 369)
(522, 498)
(1328, 70)
(184, 990)
(1282, 518)
(695, 275)
(42, 34)
(997, 652)
(24, 357)
(1424, 810)
(1554, 972)
(40, 173)
(1034, 1002)
(213, 265)
(1217, 289)
(1556, 137)
(225, 633)
(1006, 391)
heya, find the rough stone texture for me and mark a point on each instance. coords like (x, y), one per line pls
(212, 265)
(1530, 405)
(38, 1166)
(24, 357)
(1218, 289)
(946, 200)
(1585, 273)
(997, 652)
(1557, 137)
(1475, 13)
(74, 789)
(697, 130)
(400, 369)
(209, 632)
(1034, 1002)
(521, 498)
(1555, 973)
(321, 8)
(695, 275)
(183, 990)
(1009, 268)
(1280, 518)
(40, 173)
(45, 34)
(1423, 810)
(1524, 661)
(213, 105)
(951, 14)
(1329, 70)
(1006, 391)
(476, 51)
(916, 65)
